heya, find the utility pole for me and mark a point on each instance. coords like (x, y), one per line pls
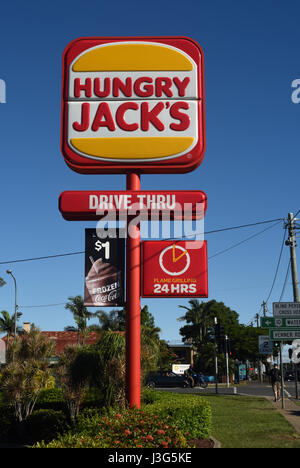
(264, 306)
(291, 242)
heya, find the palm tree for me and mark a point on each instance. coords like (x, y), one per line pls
(80, 314)
(198, 317)
(7, 324)
(114, 320)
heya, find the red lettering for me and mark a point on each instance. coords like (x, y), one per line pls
(120, 116)
(86, 87)
(103, 118)
(97, 86)
(163, 85)
(151, 116)
(184, 119)
(181, 85)
(125, 88)
(147, 90)
(85, 118)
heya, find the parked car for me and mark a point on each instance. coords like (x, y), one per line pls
(166, 379)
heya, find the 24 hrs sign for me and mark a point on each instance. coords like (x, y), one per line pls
(174, 269)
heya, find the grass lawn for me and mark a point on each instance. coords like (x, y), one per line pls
(249, 422)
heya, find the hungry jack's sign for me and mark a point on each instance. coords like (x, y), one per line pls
(133, 104)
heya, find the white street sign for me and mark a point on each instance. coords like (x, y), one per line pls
(286, 309)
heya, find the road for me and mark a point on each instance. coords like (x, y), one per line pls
(248, 389)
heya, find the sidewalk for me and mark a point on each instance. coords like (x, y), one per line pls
(291, 411)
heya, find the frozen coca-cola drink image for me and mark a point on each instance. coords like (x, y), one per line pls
(103, 285)
(104, 271)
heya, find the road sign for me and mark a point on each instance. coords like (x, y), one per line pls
(174, 269)
(92, 205)
(265, 345)
(280, 322)
(133, 104)
(286, 309)
(283, 334)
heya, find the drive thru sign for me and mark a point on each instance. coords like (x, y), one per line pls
(133, 104)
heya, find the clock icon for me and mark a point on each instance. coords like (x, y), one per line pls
(174, 260)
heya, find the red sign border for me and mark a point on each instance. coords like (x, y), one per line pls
(83, 165)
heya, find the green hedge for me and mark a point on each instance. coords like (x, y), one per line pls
(191, 413)
(166, 420)
(44, 424)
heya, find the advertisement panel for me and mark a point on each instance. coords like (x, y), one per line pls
(174, 269)
(104, 271)
(133, 104)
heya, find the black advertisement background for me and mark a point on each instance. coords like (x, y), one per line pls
(104, 274)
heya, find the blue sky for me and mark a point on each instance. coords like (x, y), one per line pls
(250, 171)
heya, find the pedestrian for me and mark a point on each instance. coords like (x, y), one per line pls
(190, 375)
(275, 376)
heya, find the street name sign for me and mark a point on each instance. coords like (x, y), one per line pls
(283, 334)
(286, 309)
(281, 322)
(174, 269)
(93, 205)
(133, 104)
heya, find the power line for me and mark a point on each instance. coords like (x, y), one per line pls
(41, 258)
(244, 240)
(285, 281)
(41, 305)
(45, 257)
(244, 225)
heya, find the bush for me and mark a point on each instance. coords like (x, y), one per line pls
(132, 429)
(51, 399)
(44, 425)
(8, 424)
(191, 413)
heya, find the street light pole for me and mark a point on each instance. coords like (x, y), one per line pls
(9, 272)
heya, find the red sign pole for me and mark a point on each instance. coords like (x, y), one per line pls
(133, 309)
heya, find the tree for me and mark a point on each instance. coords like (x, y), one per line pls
(7, 324)
(80, 314)
(74, 387)
(113, 320)
(198, 318)
(25, 377)
(111, 378)
(2, 282)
